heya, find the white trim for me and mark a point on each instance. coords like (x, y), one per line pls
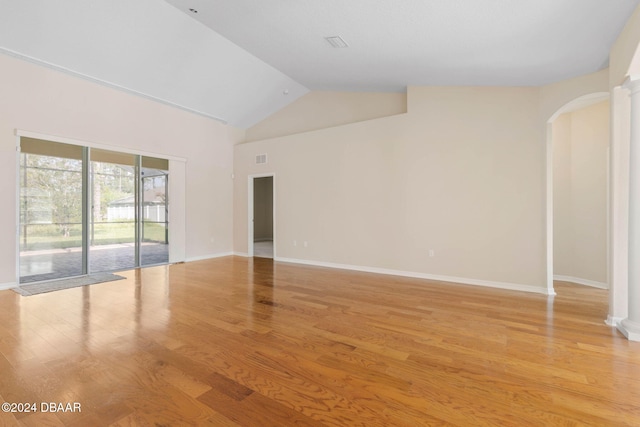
(548, 160)
(17, 190)
(580, 102)
(613, 321)
(273, 216)
(250, 232)
(630, 329)
(7, 286)
(632, 82)
(459, 280)
(107, 84)
(579, 281)
(210, 256)
(242, 254)
(65, 140)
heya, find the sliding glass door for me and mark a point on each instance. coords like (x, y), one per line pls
(51, 210)
(112, 232)
(88, 210)
(154, 216)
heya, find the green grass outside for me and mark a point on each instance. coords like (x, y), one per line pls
(51, 236)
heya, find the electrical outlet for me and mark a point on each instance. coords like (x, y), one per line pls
(295, 243)
(432, 253)
(305, 244)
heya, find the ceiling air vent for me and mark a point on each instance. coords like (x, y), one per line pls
(336, 41)
(261, 158)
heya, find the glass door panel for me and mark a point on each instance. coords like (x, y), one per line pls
(51, 197)
(112, 232)
(154, 238)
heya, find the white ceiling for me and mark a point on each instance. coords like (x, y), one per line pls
(395, 43)
(253, 57)
(150, 48)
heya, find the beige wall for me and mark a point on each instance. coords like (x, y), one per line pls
(459, 174)
(555, 96)
(562, 211)
(38, 99)
(580, 144)
(319, 110)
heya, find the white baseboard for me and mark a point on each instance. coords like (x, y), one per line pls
(242, 254)
(10, 285)
(460, 280)
(210, 256)
(613, 321)
(630, 329)
(580, 281)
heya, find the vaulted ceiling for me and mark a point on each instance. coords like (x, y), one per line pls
(242, 60)
(395, 43)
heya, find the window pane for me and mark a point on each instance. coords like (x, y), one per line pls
(154, 245)
(50, 217)
(112, 233)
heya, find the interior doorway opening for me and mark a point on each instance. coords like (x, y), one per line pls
(577, 192)
(262, 216)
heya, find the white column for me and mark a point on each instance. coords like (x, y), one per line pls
(630, 326)
(618, 265)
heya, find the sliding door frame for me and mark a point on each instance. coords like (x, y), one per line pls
(87, 183)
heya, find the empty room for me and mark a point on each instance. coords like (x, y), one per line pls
(323, 213)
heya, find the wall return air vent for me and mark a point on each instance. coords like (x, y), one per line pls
(261, 158)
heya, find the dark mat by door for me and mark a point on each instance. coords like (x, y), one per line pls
(73, 282)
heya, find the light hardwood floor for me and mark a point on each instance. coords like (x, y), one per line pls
(263, 249)
(237, 341)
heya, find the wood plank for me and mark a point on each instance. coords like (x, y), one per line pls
(243, 342)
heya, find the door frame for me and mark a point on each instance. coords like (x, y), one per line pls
(250, 231)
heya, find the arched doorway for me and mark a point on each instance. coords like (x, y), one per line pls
(576, 192)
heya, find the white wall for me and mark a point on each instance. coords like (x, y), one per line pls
(460, 174)
(37, 99)
(150, 48)
(580, 144)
